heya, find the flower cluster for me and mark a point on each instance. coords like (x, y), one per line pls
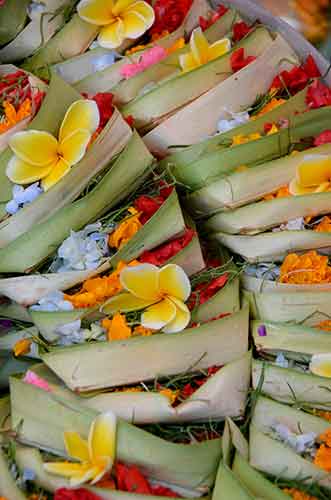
(169, 15)
(297, 78)
(309, 268)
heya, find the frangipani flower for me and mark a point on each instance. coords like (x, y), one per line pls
(320, 365)
(95, 456)
(313, 175)
(38, 155)
(118, 19)
(161, 292)
(201, 52)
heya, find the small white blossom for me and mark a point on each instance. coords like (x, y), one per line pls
(300, 443)
(72, 333)
(292, 225)
(53, 301)
(22, 196)
(281, 361)
(263, 271)
(237, 119)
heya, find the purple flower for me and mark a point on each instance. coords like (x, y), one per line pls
(262, 331)
(5, 323)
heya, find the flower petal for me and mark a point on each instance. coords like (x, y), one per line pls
(199, 46)
(321, 365)
(142, 281)
(67, 469)
(76, 446)
(20, 172)
(219, 48)
(181, 319)
(102, 439)
(159, 315)
(314, 170)
(74, 146)
(174, 281)
(98, 12)
(125, 302)
(81, 115)
(144, 10)
(187, 61)
(59, 170)
(35, 147)
(112, 36)
(121, 5)
(134, 24)
(297, 190)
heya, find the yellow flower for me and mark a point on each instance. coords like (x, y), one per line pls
(171, 395)
(271, 105)
(201, 52)
(38, 155)
(237, 140)
(118, 19)
(313, 175)
(320, 365)
(160, 292)
(126, 230)
(94, 457)
(22, 347)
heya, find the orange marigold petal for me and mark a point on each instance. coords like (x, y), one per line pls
(323, 458)
(117, 328)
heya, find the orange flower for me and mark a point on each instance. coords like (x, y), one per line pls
(179, 44)
(157, 36)
(298, 495)
(141, 331)
(117, 327)
(126, 230)
(243, 139)
(171, 395)
(323, 414)
(326, 437)
(22, 347)
(309, 268)
(282, 192)
(324, 226)
(12, 117)
(324, 325)
(273, 104)
(323, 458)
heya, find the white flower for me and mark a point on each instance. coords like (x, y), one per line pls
(35, 9)
(263, 271)
(53, 301)
(300, 443)
(237, 119)
(73, 333)
(292, 225)
(82, 250)
(22, 196)
(281, 361)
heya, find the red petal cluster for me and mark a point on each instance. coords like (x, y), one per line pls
(206, 23)
(239, 31)
(239, 61)
(205, 291)
(323, 138)
(15, 87)
(193, 386)
(79, 494)
(318, 95)
(169, 15)
(104, 101)
(163, 253)
(298, 77)
(129, 478)
(149, 205)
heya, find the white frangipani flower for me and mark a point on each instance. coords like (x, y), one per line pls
(23, 196)
(53, 301)
(300, 443)
(235, 120)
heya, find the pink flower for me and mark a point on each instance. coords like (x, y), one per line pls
(33, 379)
(150, 57)
(2, 3)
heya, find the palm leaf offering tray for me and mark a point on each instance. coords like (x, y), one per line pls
(165, 243)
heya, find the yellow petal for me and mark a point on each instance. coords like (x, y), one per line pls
(134, 24)
(98, 12)
(219, 48)
(125, 302)
(73, 147)
(181, 319)
(20, 172)
(199, 46)
(76, 446)
(81, 115)
(174, 281)
(297, 190)
(187, 62)
(144, 10)
(112, 35)
(59, 170)
(122, 5)
(159, 315)
(91, 473)
(321, 365)
(102, 439)
(142, 281)
(35, 147)
(67, 469)
(314, 170)
(325, 186)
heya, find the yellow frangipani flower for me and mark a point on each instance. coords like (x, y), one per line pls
(160, 292)
(320, 365)
(94, 457)
(38, 155)
(313, 175)
(201, 52)
(118, 19)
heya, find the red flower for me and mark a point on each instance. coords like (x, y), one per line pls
(206, 23)
(130, 478)
(205, 291)
(149, 205)
(323, 138)
(129, 120)
(80, 494)
(239, 61)
(162, 491)
(318, 95)
(310, 67)
(163, 253)
(298, 77)
(104, 101)
(169, 15)
(239, 31)
(2, 3)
